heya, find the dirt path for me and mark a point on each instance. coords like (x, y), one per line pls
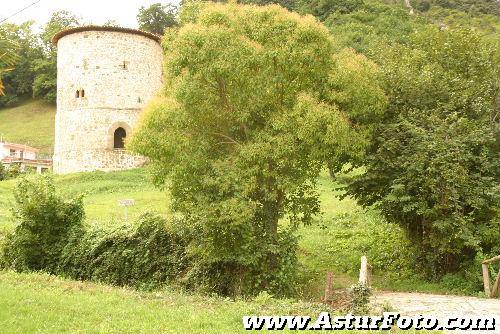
(441, 306)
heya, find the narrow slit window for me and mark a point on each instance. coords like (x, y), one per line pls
(119, 138)
(77, 94)
(83, 93)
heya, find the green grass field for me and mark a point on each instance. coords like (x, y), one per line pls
(39, 303)
(30, 123)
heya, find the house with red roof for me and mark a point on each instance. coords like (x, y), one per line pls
(24, 156)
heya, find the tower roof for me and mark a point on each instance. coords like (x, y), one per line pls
(70, 31)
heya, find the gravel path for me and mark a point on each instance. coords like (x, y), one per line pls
(441, 306)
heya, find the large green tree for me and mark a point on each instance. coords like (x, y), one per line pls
(255, 104)
(157, 17)
(19, 81)
(433, 166)
(8, 57)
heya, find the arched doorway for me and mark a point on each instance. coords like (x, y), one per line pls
(119, 138)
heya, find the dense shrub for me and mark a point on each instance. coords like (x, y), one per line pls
(433, 166)
(360, 298)
(3, 172)
(146, 254)
(45, 222)
(51, 237)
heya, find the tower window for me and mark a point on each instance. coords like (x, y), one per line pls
(119, 138)
(139, 100)
(83, 93)
(77, 94)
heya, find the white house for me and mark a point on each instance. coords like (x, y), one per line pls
(17, 151)
(22, 155)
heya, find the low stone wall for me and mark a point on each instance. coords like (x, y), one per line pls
(99, 159)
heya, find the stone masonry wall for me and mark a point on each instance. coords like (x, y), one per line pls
(118, 73)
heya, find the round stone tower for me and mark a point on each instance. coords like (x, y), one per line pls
(105, 77)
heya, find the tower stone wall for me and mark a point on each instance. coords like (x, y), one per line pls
(105, 77)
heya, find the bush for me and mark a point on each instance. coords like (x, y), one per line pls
(145, 255)
(3, 172)
(360, 298)
(225, 276)
(51, 237)
(45, 222)
(433, 164)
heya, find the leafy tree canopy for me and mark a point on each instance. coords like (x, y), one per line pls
(45, 68)
(255, 103)
(156, 18)
(433, 165)
(8, 57)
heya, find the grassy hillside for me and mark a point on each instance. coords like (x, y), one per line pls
(31, 123)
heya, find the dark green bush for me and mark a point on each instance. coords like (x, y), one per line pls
(13, 171)
(45, 222)
(3, 172)
(360, 298)
(147, 254)
(51, 237)
(433, 164)
(226, 276)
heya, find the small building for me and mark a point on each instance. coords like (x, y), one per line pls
(24, 156)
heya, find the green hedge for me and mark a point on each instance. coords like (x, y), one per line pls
(147, 254)
(51, 237)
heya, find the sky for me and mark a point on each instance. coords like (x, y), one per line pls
(97, 12)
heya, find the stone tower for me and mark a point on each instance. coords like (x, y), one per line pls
(105, 77)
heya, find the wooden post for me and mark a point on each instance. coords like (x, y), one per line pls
(486, 279)
(329, 286)
(496, 287)
(364, 271)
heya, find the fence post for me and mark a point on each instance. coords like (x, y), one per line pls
(496, 287)
(486, 279)
(329, 286)
(364, 272)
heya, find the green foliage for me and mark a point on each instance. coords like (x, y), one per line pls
(147, 254)
(473, 7)
(50, 237)
(8, 57)
(288, 4)
(360, 298)
(248, 119)
(157, 17)
(358, 234)
(324, 8)
(14, 171)
(433, 166)
(45, 68)
(3, 172)
(373, 27)
(45, 222)
(45, 82)
(19, 81)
